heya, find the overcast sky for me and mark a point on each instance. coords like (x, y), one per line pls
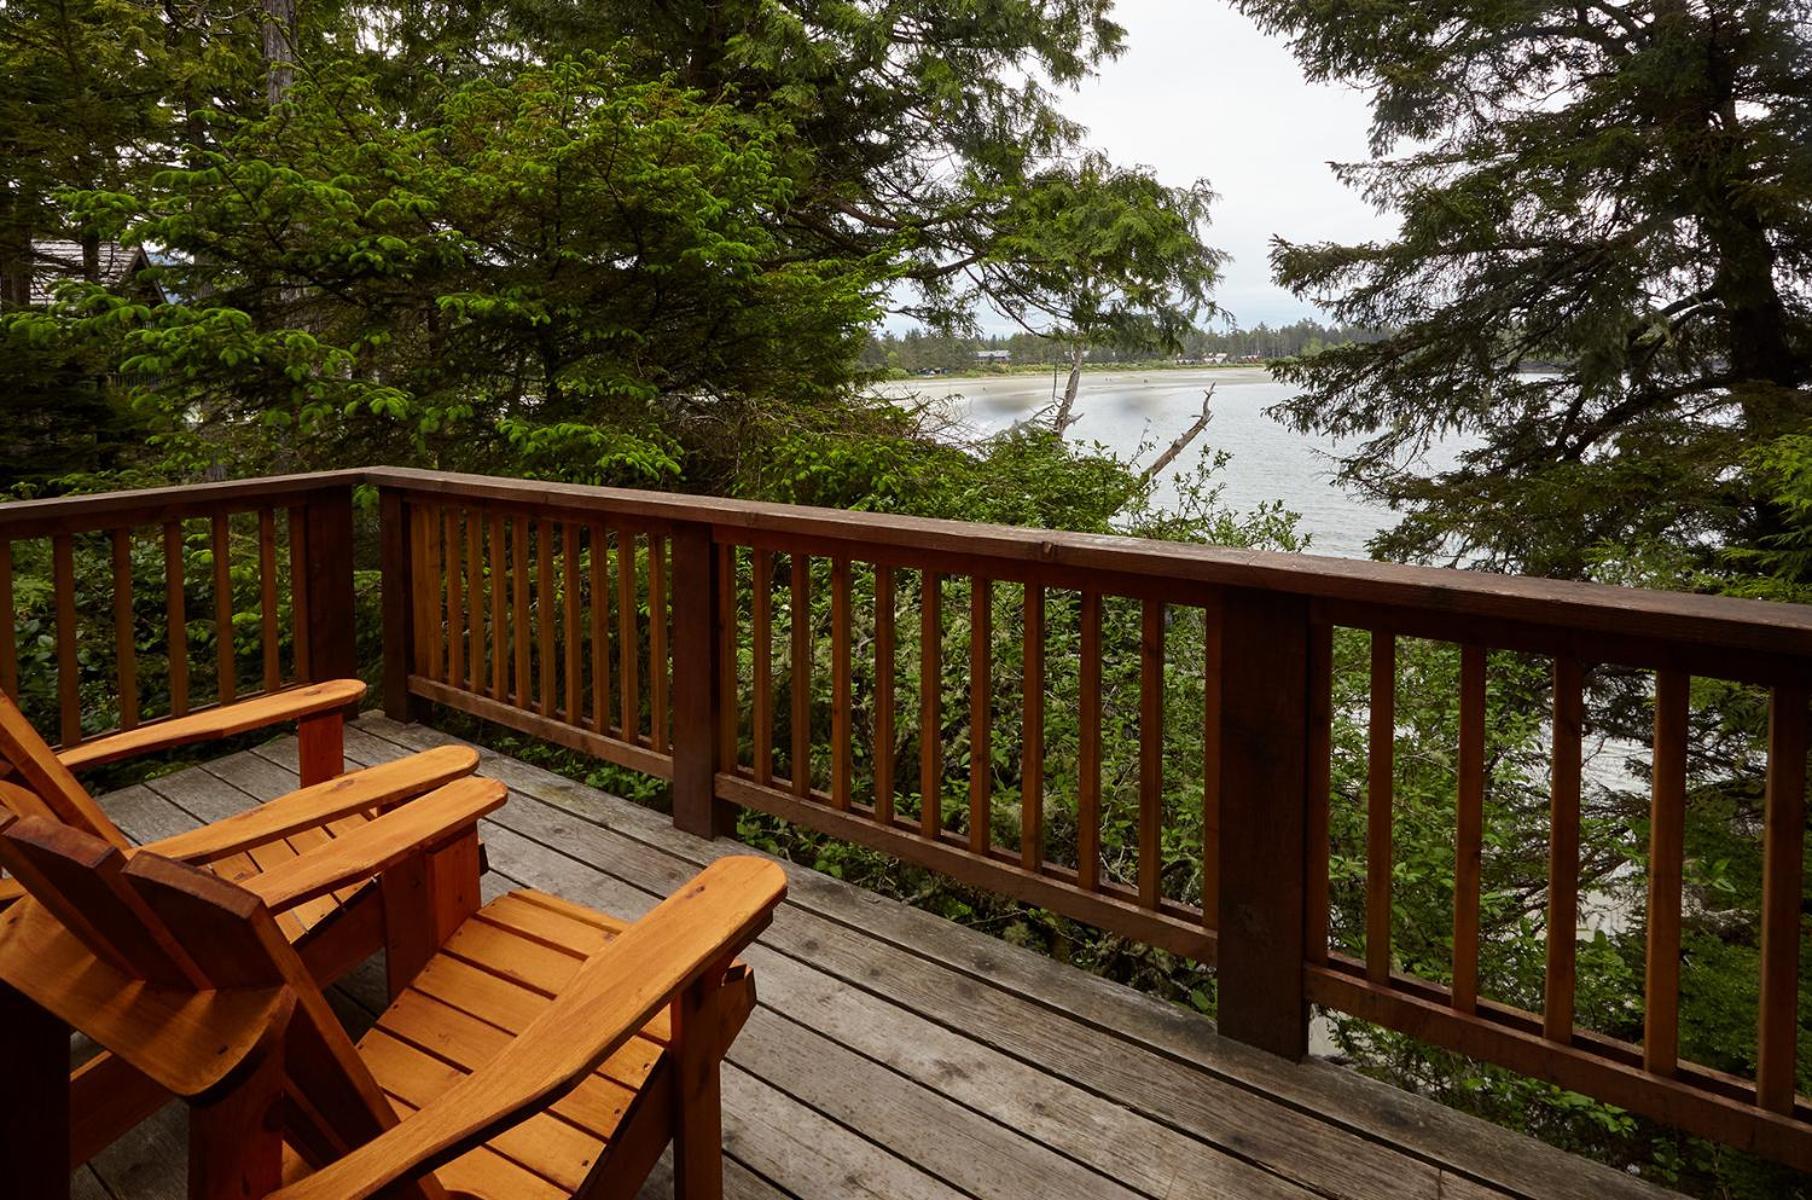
(1201, 93)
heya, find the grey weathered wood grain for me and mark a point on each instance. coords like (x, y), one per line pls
(896, 1054)
(1459, 1145)
(810, 1155)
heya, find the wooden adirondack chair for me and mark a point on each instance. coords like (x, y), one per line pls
(257, 840)
(541, 1050)
(334, 931)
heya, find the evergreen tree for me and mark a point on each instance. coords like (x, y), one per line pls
(1618, 194)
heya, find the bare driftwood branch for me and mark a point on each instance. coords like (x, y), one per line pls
(1185, 438)
(1066, 411)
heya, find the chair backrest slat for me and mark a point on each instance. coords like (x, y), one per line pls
(42, 773)
(78, 878)
(183, 928)
(236, 941)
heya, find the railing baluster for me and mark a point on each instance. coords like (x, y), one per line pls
(297, 525)
(1320, 752)
(628, 652)
(267, 599)
(1469, 830)
(226, 661)
(421, 615)
(840, 684)
(569, 546)
(931, 703)
(9, 632)
(1031, 787)
(475, 585)
(1088, 789)
(600, 629)
(1783, 883)
(884, 680)
(498, 564)
(657, 643)
(729, 708)
(69, 695)
(456, 597)
(545, 606)
(1563, 851)
(1380, 792)
(1213, 656)
(981, 705)
(125, 629)
(1666, 874)
(520, 616)
(438, 621)
(761, 603)
(1151, 752)
(799, 681)
(176, 614)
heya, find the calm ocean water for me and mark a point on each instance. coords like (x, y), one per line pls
(1130, 410)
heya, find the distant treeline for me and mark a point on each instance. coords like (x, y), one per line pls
(919, 350)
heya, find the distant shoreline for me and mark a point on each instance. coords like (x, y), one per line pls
(1015, 369)
(1093, 376)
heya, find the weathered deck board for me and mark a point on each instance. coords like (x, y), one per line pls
(898, 1055)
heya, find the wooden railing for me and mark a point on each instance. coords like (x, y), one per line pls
(170, 570)
(877, 678)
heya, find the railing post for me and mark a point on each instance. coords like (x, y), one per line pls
(332, 621)
(1263, 856)
(697, 642)
(399, 619)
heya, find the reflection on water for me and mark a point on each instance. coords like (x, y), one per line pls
(1137, 413)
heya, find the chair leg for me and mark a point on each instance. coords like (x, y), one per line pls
(426, 898)
(321, 747)
(698, 1133)
(236, 1134)
(34, 1099)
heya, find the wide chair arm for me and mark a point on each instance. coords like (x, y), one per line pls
(226, 720)
(378, 787)
(379, 844)
(648, 966)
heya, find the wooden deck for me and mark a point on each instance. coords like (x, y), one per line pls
(896, 1055)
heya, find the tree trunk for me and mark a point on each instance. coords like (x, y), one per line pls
(1066, 411)
(279, 47)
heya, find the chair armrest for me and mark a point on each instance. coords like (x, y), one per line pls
(311, 807)
(378, 845)
(642, 970)
(210, 724)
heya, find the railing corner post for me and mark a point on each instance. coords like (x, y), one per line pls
(697, 674)
(1263, 868)
(328, 570)
(399, 621)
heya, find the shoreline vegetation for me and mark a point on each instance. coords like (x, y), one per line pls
(900, 375)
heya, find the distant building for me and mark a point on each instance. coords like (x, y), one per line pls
(54, 261)
(994, 356)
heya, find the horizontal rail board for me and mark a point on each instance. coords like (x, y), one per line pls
(1709, 620)
(1674, 1101)
(573, 737)
(1177, 934)
(154, 506)
(1523, 1022)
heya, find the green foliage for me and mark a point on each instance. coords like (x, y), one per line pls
(1600, 280)
(556, 266)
